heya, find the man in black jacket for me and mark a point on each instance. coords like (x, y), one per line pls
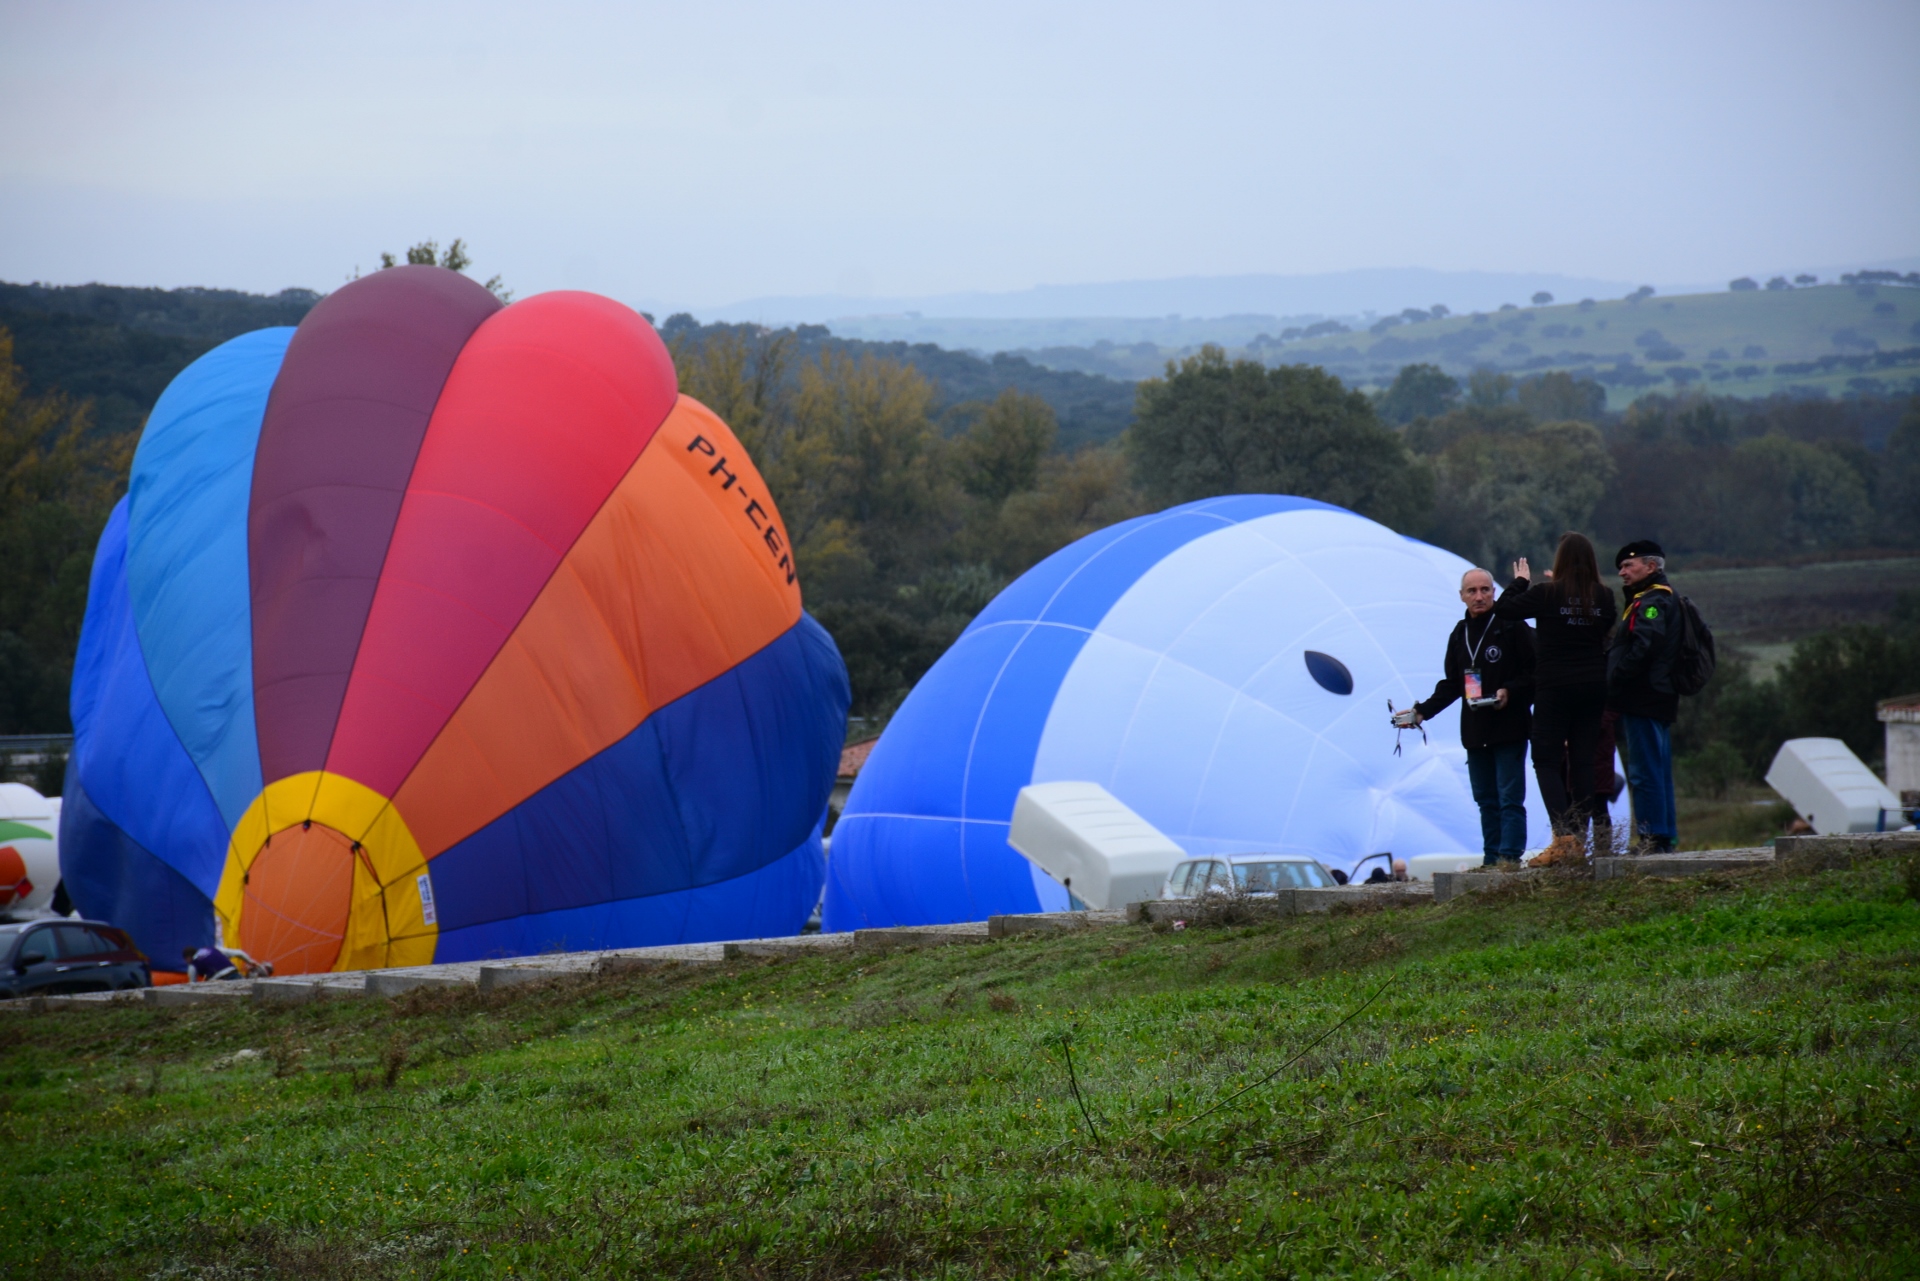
(1640, 657)
(1489, 663)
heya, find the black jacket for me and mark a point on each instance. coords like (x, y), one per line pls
(1640, 657)
(1572, 637)
(1502, 650)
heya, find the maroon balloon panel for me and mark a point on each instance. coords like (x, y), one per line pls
(342, 430)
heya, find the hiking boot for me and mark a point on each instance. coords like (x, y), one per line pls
(1566, 851)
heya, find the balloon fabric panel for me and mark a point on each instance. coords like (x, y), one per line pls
(1212, 639)
(923, 836)
(343, 428)
(125, 746)
(711, 787)
(547, 407)
(657, 597)
(187, 556)
(1076, 585)
(111, 877)
(770, 902)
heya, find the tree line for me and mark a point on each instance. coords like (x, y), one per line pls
(916, 484)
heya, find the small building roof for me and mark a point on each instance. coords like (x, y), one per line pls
(854, 755)
(1902, 710)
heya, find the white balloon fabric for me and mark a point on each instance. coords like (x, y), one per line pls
(1223, 667)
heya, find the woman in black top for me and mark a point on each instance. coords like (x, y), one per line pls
(1572, 613)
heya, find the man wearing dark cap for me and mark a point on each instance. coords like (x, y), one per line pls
(1640, 688)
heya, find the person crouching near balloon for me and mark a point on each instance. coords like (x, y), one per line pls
(1489, 664)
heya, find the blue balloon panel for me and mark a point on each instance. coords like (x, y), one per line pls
(187, 556)
(125, 750)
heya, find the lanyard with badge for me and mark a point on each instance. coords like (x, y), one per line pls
(1470, 681)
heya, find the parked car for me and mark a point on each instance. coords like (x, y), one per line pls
(46, 958)
(1245, 874)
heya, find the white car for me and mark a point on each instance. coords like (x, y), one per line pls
(1245, 874)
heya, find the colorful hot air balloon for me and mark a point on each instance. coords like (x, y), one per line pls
(1223, 668)
(435, 630)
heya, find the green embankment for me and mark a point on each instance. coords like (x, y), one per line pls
(1697, 1079)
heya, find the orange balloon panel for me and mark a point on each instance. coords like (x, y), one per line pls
(657, 598)
(297, 897)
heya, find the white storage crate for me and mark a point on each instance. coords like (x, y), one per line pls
(1083, 836)
(1829, 787)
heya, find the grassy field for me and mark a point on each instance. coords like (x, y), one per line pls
(1713, 1078)
(1762, 610)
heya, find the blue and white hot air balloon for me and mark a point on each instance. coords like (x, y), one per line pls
(1223, 668)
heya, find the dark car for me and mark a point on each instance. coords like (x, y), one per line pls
(45, 958)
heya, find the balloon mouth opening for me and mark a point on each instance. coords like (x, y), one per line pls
(298, 895)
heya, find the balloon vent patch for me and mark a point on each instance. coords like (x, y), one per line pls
(1330, 672)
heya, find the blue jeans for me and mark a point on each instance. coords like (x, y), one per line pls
(1650, 776)
(1499, 779)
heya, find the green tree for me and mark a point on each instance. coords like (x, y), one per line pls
(860, 474)
(1830, 686)
(1074, 495)
(1898, 499)
(1211, 426)
(999, 454)
(1559, 396)
(1776, 496)
(1418, 391)
(58, 483)
(1502, 495)
(455, 258)
(743, 374)
(1489, 389)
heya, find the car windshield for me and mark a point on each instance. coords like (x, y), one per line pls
(1280, 874)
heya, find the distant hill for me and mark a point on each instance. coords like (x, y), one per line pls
(1828, 339)
(1379, 289)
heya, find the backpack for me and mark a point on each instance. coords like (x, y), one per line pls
(1693, 654)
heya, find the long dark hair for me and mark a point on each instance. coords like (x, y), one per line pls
(1575, 571)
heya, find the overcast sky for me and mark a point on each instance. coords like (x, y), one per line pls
(695, 154)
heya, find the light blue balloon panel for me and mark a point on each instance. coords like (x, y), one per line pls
(1223, 667)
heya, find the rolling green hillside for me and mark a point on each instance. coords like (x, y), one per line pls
(1701, 1079)
(1834, 338)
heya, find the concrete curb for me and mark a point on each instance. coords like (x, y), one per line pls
(1007, 926)
(786, 949)
(1836, 853)
(394, 982)
(1681, 863)
(893, 938)
(1448, 886)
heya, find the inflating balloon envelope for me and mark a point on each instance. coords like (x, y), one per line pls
(1222, 668)
(436, 629)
